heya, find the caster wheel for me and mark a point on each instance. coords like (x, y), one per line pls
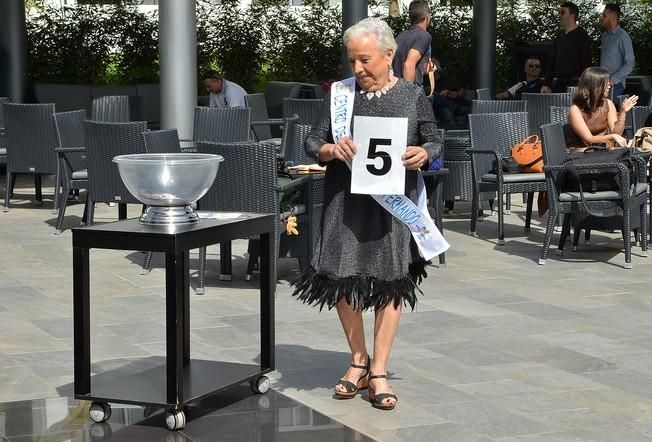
(99, 412)
(99, 432)
(260, 385)
(175, 420)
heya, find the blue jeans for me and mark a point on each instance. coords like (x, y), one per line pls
(617, 89)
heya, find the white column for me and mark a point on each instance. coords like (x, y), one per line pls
(178, 64)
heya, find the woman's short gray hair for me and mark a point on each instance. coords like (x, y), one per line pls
(372, 27)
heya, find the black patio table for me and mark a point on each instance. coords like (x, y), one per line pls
(179, 379)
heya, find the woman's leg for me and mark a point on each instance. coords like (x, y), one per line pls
(385, 328)
(354, 330)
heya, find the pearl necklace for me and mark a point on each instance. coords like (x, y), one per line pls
(381, 91)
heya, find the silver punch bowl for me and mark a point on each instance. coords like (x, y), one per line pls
(168, 183)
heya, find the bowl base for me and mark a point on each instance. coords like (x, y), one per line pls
(157, 215)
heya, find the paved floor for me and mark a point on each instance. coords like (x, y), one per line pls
(499, 348)
(235, 415)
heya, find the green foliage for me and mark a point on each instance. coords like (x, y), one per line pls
(270, 40)
(228, 42)
(78, 45)
(637, 21)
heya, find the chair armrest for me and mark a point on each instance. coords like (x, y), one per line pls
(296, 182)
(441, 172)
(588, 166)
(69, 149)
(270, 122)
(484, 151)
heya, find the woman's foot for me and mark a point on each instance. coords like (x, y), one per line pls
(380, 392)
(354, 380)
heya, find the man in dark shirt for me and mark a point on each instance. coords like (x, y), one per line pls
(413, 45)
(532, 83)
(572, 52)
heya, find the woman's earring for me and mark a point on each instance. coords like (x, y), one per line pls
(391, 71)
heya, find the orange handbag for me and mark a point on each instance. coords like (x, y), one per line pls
(529, 155)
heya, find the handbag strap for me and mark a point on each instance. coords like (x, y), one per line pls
(527, 140)
(603, 213)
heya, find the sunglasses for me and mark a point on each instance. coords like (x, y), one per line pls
(534, 66)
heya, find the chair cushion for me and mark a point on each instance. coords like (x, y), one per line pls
(597, 196)
(515, 177)
(80, 174)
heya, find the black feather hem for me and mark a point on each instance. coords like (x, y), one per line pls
(360, 292)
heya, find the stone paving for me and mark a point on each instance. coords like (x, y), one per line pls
(499, 348)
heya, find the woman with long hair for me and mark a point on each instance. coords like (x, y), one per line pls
(593, 117)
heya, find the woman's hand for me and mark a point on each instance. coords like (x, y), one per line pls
(343, 150)
(619, 140)
(629, 103)
(414, 157)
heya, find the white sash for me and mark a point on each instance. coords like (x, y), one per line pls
(428, 238)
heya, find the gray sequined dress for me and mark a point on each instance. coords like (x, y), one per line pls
(364, 254)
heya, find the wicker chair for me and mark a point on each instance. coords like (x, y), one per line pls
(72, 172)
(306, 109)
(222, 124)
(434, 180)
(498, 106)
(459, 185)
(262, 124)
(159, 141)
(103, 142)
(631, 204)
(110, 109)
(492, 138)
(639, 115)
(247, 183)
(2, 118)
(287, 138)
(3, 134)
(483, 94)
(162, 141)
(31, 140)
(571, 90)
(559, 114)
(538, 108)
(296, 154)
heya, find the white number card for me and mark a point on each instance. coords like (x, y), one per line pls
(377, 167)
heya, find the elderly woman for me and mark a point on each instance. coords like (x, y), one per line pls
(366, 258)
(593, 117)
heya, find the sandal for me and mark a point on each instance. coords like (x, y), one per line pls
(351, 388)
(377, 399)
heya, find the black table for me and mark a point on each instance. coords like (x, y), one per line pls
(178, 380)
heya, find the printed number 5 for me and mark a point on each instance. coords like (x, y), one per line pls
(373, 154)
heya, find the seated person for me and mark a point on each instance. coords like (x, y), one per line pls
(531, 85)
(592, 117)
(223, 93)
(449, 99)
